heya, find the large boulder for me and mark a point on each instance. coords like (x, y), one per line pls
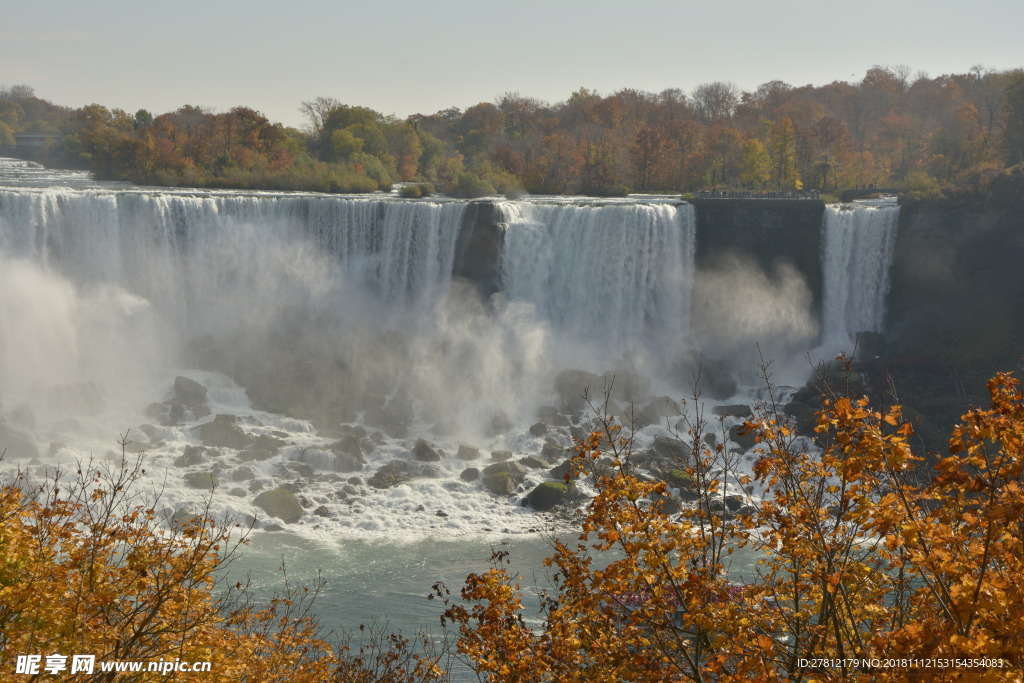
(547, 495)
(424, 453)
(264, 447)
(627, 386)
(714, 380)
(280, 503)
(571, 385)
(657, 409)
(224, 432)
(392, 474)
(672, 449)
(189, 392)
(743, 438)
(503, 478)
(205, 481)
(193, 455)
(735, 410)
(467, 452)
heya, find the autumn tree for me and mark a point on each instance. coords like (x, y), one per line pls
(756, 165)
(715, 102)
(866, 569)
(87, 565)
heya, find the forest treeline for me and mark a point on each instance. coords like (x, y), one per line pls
(948, 135)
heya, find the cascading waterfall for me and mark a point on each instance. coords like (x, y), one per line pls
(181, 251)
(857, 247)
(611, 274)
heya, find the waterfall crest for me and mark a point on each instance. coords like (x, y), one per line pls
(616, 273)
(857, 248)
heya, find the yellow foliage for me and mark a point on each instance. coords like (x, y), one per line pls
(864, 572)
(85, 569)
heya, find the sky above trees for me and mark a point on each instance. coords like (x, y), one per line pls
(405, 57)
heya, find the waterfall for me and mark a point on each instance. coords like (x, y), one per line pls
(190, 254)
(857, 248)
(614, 274)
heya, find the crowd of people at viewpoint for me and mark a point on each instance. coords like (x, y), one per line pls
(753, 194)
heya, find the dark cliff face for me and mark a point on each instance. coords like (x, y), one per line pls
(478, 249)
(768, 233)
(758, 281)
(957, 287)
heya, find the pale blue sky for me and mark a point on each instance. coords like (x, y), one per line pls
(402, 57)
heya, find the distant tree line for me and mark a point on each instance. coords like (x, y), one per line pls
(930, 136)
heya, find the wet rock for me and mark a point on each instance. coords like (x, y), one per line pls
(734, 410)
(502, 478)
(559, 471)
(550, 416)
(204, 481)
(501, 455)
(672, 449)
(547, 495)
(657, 408)
(224, 432)
(627, 386)
(344, 462)
(734, 503)
(280, 503)
(500, 424)
(349, 445)
(431, 471)
(744, 440)
(680, 479)
(538, 429)
(243, 474)
(441, 513)
(392, 474)
(553, 452)
(193, 455)
(467, 452)
(358, 431)
(189, 392)
(533, 462)
(715, 380)
(254, 455)
(571, 385)
(424, 453)
(470, 474)
(393, 418)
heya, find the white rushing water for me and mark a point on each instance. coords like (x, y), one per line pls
(857, 247)
(611, 273)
